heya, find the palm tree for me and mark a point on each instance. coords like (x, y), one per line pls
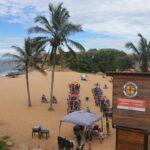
(57, 29)
(141, 53)
(27, 57)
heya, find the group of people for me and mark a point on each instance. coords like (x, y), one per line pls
(99, 98)
(88, 133)
(44, 99)
(74, 102)
(104, 103)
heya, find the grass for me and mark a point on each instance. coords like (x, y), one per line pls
(3, 141)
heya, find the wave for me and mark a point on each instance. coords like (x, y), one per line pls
(5, 67)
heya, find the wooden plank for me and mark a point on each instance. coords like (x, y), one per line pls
(130, 140)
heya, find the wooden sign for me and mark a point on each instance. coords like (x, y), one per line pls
(130, 104)
(131, 100)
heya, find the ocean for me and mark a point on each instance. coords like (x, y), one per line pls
(5, 67)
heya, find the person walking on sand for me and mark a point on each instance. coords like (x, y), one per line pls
(87, 101)
(78, 137)
(107, 126)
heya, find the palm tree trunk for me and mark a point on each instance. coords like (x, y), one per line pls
(28, 89)
(52, 78)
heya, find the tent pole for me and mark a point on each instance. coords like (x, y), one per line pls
(59, 127)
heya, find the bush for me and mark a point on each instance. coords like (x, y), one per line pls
(100, 60)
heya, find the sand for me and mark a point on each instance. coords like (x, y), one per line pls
(17, 119)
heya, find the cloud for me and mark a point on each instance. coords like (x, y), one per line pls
(115, 17)
(107, 43)
(111, 16)
(7, 42)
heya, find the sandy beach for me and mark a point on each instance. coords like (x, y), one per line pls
(17, 119)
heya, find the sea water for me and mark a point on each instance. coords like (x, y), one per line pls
(6, 67)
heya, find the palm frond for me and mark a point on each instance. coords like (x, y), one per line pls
(130, 45)
(12, 61)
(70, 28)
(60, 50)
(76, 45)
(142, 38)
(38, 29)
(19, 50)
(136, 57)
(38, 68)
(72, 51)
(51, 8)
(13, 56)
(142, 45)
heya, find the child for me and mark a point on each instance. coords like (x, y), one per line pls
(100, 135)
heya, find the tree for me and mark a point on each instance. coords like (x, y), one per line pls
(141, 53)
(56, 29)
(101, 60)
(27, 57)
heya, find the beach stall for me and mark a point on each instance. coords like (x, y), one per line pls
(81, 118)
(131, 110)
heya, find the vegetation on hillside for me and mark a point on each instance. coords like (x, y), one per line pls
(98, 60)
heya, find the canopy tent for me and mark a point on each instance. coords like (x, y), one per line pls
(81, 118)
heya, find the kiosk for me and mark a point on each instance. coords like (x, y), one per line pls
(131, 110)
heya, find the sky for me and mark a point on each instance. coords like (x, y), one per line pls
(106, 23)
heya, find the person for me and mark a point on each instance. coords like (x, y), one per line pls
(88, 133)
(87, 99)
(44, 99)
(100, 134)
(88, 110)
(78, 137)
(102, 101)
(77, 132)
(75, 104)
(105, 86)
(106, 106)
(107, 126)
(54, 100)
(88, 136)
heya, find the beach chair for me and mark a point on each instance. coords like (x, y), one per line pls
(44, 133)
(36, 130)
